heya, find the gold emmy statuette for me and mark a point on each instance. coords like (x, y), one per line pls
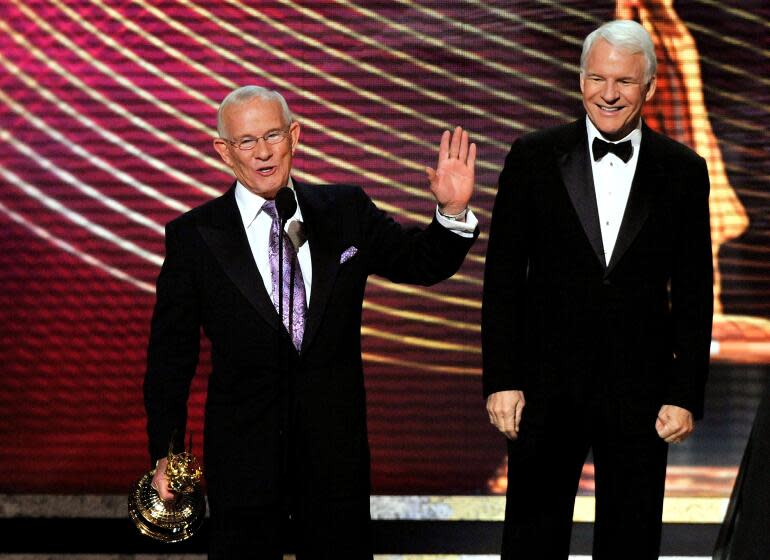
(175, 520)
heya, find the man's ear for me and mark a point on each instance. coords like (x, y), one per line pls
(294, 133)
(650, 89)
(221, 147)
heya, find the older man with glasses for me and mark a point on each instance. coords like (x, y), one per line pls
(274, 273)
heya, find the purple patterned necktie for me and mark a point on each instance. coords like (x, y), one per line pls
(294, 305)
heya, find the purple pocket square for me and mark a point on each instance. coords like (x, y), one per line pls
(348, 254)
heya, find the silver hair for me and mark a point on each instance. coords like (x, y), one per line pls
(244, 95)
(627, 35)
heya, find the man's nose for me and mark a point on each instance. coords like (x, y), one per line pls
(610, 91)
(262, 149)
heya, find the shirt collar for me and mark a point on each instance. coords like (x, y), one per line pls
(250, 204)
(635, 135)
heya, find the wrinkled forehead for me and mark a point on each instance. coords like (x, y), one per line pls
(604, 54)
(253, 117)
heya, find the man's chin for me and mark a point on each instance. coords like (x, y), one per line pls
(265, 190)
(613, 130)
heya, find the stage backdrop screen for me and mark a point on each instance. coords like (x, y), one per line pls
(107, 115)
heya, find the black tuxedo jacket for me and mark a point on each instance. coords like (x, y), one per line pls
(561, 323)
(269, 406)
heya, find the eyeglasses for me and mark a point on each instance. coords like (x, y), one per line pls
(273, 137)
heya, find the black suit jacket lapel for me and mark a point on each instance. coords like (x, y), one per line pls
(577, 176)
(648, 174)
(321, 232)
(226, 237)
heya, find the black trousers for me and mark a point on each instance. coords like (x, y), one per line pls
(544, 466)
(324, 530)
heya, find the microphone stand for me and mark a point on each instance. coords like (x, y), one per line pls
(280, 267)
(286, 206)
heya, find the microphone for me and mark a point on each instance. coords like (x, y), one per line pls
(285, 204)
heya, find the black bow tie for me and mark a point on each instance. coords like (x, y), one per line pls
(623, 150)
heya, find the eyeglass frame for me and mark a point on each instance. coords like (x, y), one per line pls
(282, 134)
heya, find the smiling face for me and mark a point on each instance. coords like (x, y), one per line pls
(265, 168)
(614, 89)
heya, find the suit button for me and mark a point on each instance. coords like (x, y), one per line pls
(607, 282)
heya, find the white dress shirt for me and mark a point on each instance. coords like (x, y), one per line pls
(257, 224)
(612, 183)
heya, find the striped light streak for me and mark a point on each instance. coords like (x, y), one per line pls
(421, 193)
(110, 107)
(464, 81)
(396, 80)
(421, 342)
(736, 12)
(195, 124)
(342, 83)
(107, 135)
(70, 249)
(420, 366)
(137, 121)
(316, 126)
(470, 55)
(421, 317)
(89, 191)
(283, 84)
(74, 217)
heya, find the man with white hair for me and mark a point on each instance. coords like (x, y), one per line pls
(597, 308)
(285, 426)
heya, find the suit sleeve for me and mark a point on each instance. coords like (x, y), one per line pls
(692, 296)
(503, 313)
(172, 354)
(410, 255)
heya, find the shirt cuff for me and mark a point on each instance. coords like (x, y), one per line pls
(463, 229)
